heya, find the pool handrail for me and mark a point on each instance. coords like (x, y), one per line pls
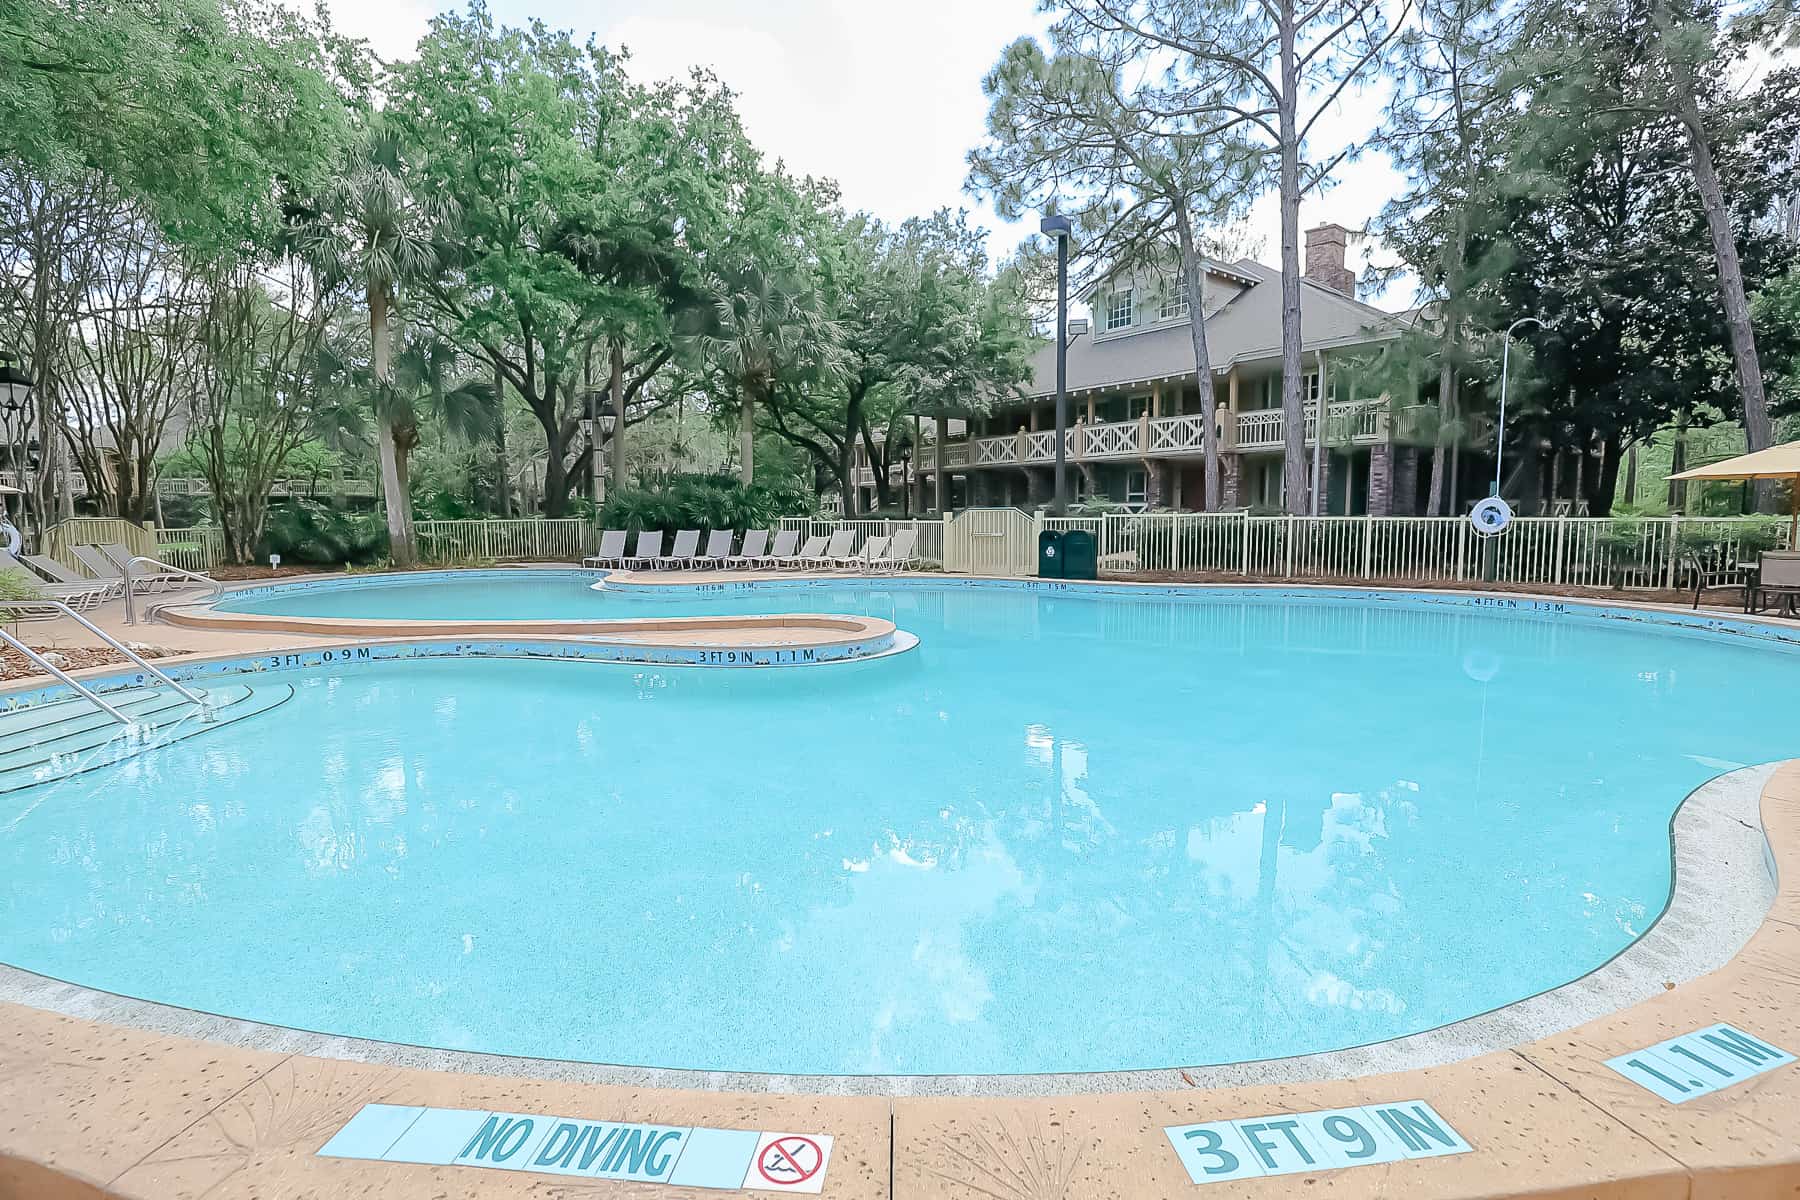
(162, 569)
(198, 699)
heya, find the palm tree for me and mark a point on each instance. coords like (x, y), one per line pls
(373, 232)
(763, 327)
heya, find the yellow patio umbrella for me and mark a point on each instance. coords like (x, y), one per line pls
(1777, 462)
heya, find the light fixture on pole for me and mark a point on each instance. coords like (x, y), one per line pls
(1061, 230)
(906, 453)
(15, 400)
(1505, 355)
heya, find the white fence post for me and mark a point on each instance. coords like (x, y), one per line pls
(1290, 546)
(1562, 533)
(1368, 555)
(1674, 538)
(1245, 566)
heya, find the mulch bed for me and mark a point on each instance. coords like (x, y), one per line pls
(14, 665)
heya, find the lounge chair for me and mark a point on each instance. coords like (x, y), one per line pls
(809, 549)
(718, 549)
(108, 582)
(612, 550)
(786, 547)
(121, 556)
(903, 553)
(873, 552)
(649, 549)
(80, 596)
(99, 564)
(837, 553)
(1779, 580)
(682, 555)
(756, 544)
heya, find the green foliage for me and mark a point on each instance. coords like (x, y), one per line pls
(305, 532)
(214, 114)
(702, 502)
(18, 584)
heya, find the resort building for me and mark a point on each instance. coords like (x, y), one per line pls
(1135, 419)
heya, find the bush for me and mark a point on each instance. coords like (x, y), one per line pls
(17, 584)
(306, 532)
(701, 502)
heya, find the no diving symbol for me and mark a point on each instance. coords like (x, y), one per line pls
(789, 1160)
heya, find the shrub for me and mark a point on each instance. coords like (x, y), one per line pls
(701, 502)
(307, 532)
(16, 584)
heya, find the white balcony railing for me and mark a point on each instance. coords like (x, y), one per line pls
(1357, 421)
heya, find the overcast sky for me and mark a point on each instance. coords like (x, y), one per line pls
(885, 99)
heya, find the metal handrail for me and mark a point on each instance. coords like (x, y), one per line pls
(50, 668)
(198, 698)
(162, 568)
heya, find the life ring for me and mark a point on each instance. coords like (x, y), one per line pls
(1491, 516)
(10, 533)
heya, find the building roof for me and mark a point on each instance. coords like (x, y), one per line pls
(1247, 329)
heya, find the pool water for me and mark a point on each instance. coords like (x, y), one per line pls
(1067, 833)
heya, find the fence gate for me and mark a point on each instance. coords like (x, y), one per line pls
(991, 541)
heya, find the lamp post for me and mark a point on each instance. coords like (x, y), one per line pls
(906, 453)
(1060, 229)
(1505, 354)
(15, 396)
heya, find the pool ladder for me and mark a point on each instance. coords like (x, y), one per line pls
(197, 698)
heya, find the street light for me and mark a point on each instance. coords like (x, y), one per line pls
(1505, 353)
(1060, 229)
(906, 453)
(15, 397)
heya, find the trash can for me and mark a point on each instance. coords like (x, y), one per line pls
(1080, 555)
(1050, 554)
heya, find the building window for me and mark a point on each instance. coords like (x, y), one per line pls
(1118, 310)
(1137, 487)
(1309, 393)
(1136, 406)
(1175, 301)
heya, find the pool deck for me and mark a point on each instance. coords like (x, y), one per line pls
(112, 1109)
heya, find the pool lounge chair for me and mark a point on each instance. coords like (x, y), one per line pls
(1779, 580)
(893, 555)
(811, 548)
(649, 549)
(787, 546)
(718, 549)
(838, 552)
(682, 554)
(611, 552)
(80, 596)
(756, 545)
(869, 558)
(121, 556)
(101, 566)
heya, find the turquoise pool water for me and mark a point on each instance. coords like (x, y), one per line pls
(1066, 833)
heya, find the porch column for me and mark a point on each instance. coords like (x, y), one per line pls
(1381, 480)
(941, 479)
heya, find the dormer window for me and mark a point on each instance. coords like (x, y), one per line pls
(1118, 310)
(1175, 300)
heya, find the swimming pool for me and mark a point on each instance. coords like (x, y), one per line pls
(1074, 830)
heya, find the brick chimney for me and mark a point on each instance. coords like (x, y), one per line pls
(1325, 258)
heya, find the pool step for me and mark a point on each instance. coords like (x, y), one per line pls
(54, 741)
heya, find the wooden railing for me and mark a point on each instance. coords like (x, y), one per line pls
(562, 539)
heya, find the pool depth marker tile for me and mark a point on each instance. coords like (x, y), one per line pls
(1326, 1140)
(1699, 1063)
(684, 1156)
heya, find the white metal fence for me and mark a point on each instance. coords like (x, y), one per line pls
(1661, 552)
(1584, 551)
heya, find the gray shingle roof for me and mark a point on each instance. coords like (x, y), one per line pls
(1247, 329)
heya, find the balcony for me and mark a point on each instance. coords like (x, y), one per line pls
(1358, 422)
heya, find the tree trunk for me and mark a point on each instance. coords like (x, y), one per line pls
(1758, 430)
(746, 439)
(1600, 500)
(1190, 273)
(1678, 464)
(1440, 462)
(393, 482)
(618, 406)
(503, 481)
(1293, 467)
(1631, 457)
